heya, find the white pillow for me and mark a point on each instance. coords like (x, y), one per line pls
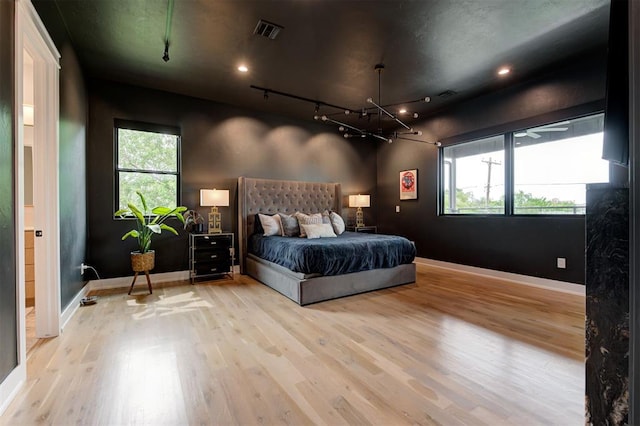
(272, 225)
(337, 222)
(321, 230)
(305, 219)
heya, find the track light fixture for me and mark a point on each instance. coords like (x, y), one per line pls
(165, 57)
(352, 131)
(167, 30)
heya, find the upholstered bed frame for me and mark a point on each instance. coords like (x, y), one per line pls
(268, 196)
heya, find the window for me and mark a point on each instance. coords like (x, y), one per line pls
(147, 160)
(553, 163)
(547, 166)
(473, 177)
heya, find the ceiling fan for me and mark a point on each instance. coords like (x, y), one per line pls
(534, 132)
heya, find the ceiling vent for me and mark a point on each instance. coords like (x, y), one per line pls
(267, 29)
(447, 94)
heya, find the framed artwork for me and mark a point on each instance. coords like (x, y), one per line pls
(409, 184)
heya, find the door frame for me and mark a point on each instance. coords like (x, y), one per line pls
(37, 42)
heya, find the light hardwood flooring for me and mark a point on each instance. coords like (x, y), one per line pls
(451, 349)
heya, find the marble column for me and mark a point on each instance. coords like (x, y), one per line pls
(607, 310)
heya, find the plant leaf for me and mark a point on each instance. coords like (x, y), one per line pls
(161, 210)
(133, 233)
(136, 212)
(169, 228)
(144, 202)
(155, 228)
(121, 212)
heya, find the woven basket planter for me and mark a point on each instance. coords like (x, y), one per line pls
(141, 262)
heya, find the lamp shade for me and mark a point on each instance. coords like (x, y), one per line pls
(214, 197)
(359, 200)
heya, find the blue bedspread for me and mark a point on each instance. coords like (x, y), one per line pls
(349, 252)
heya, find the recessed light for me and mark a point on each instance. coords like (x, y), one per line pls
(504, 71)
(403, 111)
(243, 68)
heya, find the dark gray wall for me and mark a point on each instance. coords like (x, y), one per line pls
(72, 157)
(8, 306)
(524, 245)
(219, 143)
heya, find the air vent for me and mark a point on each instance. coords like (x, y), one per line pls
(447, 94)
(267, 29)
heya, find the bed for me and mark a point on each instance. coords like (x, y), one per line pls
(269, 197)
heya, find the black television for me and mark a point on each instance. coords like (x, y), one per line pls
(616, 115)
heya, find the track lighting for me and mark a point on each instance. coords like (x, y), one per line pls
(167, 30)
(165, 57)
(383, 111)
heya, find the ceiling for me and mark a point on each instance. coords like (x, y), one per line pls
(328, 48)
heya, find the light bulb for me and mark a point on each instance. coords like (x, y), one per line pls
(370, 100)
(341, 129)
(415, 115)
(243, 68)
(402, 111)
(324, 118)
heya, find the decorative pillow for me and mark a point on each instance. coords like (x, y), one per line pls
(325, 217)
(270, 224)
(321, 230)
(337, 222)
(305, 219)
(257, 226)
(290, 227)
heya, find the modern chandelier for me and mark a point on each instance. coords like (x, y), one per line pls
(375, 108)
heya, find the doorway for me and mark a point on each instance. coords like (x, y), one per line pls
(27, 176)
(37, 108)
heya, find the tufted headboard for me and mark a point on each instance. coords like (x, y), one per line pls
(268, 196)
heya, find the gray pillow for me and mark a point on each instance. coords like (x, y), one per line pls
(337, 222)
(290, 225)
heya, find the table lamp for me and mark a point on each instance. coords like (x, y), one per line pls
(214, 198)
(359, 201)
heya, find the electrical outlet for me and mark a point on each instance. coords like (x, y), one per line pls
(561, 263)
(397, 209)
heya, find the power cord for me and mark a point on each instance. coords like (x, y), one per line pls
(84, 267)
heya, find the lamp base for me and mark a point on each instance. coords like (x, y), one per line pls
(359, 218)
(215, 219)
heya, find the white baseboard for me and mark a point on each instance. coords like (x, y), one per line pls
(561, 286)
(72, 307)
(120, 282)
(11, 385)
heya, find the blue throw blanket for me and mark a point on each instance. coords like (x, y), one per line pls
(349, 252)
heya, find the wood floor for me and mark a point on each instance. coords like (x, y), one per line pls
(451, 349)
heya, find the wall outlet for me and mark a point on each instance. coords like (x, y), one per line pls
(561, 263)
(397, 209)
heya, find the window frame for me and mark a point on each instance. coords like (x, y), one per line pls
(152, 128)
(441, 180)
(508, 131)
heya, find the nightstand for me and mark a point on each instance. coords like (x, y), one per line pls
(365, 229)
(210, 255)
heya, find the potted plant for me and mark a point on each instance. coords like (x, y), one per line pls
(148, 224)
(193, 221)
